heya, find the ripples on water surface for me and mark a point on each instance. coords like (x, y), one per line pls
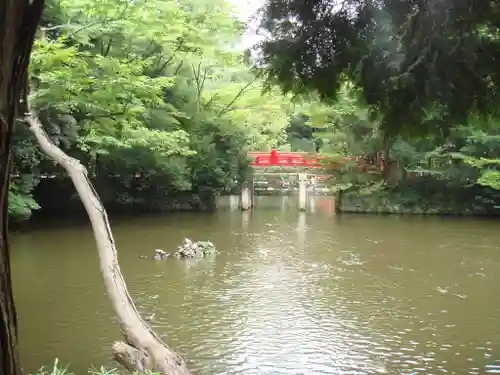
(290, 293)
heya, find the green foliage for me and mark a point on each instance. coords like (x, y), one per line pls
(457, 171)
(152, 96)
(489, 171)
(21, 202)
(25, 175)
(156, 100)
(57, 369)
(395, 77)
(218, 153)
(406, 57)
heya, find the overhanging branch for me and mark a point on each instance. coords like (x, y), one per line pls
(142, 349)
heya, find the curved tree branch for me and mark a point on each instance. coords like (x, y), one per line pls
(142, 349)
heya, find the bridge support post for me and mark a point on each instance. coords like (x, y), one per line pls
(246, 197)
(302, 191)
(252, 193)
(338, 201)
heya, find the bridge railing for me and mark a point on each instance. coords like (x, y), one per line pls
(303, 159)
(285, 161)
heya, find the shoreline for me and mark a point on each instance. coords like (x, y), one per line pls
(395, 204)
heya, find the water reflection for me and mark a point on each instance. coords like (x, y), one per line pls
(290, 292)
(284, 326)
(245, 219)
(283, 203)
(234, 202)
(312, 203)
(301, 229)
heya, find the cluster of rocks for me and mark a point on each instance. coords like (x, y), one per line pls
(196, 249)
(188, 249)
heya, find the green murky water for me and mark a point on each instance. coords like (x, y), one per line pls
(290, 293)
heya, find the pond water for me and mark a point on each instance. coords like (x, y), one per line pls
(290, 293)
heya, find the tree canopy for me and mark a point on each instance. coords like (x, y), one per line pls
(154, 110)
(151, 110)
(422, 65)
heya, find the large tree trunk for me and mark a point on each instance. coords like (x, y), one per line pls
(18, 22)
(142, 349)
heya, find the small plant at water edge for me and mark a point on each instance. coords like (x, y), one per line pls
(57, 369)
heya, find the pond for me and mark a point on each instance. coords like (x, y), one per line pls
(290, 293)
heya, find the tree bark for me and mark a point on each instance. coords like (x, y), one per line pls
(142, 349)
(9, 359)
(18, 22)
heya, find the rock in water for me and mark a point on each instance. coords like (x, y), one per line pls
(188, 249)
(197, 249)
(160, 254)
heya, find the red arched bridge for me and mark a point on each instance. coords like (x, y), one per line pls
(304, 159)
